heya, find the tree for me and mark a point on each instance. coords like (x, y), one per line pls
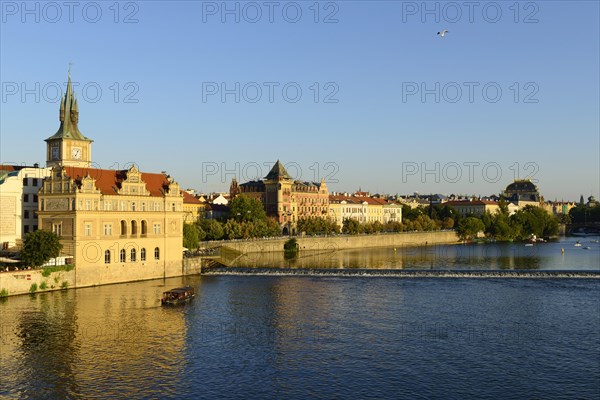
(351, 226)
(232, 229)
(469, 227)
(244, 208)
(39, 247)
(190, 236)
(213, 229)
(535, 221)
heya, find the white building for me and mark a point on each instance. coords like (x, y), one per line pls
(19, 186)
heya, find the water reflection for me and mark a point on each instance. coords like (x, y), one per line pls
(70, 344)
(493, 256)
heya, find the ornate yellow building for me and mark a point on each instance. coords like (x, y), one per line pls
(117, 225)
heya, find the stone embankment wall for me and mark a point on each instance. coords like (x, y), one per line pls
(22, 282)
(327, 243)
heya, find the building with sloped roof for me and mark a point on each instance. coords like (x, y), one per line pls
(285, 199)
(117, 225)
(522, 192)
(363, 209)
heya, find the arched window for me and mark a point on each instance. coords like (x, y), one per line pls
(134, 227)
(144, 227)
(107, 257)
(143, 254)
(123, 227)
(122, 255)
(156, 253)
(133, 255)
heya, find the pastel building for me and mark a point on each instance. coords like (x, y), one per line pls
(19, 187)
(285, 199)
(116, 225)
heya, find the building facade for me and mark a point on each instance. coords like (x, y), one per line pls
(474, 207)
(116, 225)
(19, 186)
(363, 209)
(285, 199)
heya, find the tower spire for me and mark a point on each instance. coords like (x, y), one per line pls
(69, 115)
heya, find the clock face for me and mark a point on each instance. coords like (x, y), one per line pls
(76, 153)
(55, 152)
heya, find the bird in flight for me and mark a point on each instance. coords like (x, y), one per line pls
(443, 33)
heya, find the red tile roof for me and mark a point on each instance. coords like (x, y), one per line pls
(108, 181)
(190, 199)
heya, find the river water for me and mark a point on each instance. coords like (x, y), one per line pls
(559, 255)
(298, 337)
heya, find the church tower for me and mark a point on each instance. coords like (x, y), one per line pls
(68, 146)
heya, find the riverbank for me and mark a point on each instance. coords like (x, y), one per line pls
(344, 242)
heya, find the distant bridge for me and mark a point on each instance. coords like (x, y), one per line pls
(590, 228)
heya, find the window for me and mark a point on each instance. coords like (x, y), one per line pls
(26, 214)
(144, 228)
(107, 229)
(133, 206)
(122, 255)
(123, 228)
(133, 255)
(26, 229)
(88, 229)
(88, 205)
(173, 207)
(35, 228)
(156, 253)
(134, 227)
(143, 206)
(24, 181)
(57, 228)
(25, 198)
(34, 181)
(157, 229)
(107, 257)
(143, 254)
(156, 207)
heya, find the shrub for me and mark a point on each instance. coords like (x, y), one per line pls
(33, 288)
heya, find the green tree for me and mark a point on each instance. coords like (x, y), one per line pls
(39, 247)
(190, 236)
(232, 229)
(351, 226)
(469, 227)
(212, 228)
(535, 221)
(244, 208)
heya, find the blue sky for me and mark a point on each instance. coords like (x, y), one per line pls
(361, 119)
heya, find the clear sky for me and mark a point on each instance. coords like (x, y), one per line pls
(209, 90)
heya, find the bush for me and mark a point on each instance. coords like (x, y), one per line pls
(3, 293)
(33, 288)
(44, 286)
(290, 248)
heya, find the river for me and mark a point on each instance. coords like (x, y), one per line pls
(297, 337)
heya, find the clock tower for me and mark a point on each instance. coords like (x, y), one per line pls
(68, 146)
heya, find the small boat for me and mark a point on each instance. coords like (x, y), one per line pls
(528, 244)
(587, 248)
(177, 296)
(577, 244)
